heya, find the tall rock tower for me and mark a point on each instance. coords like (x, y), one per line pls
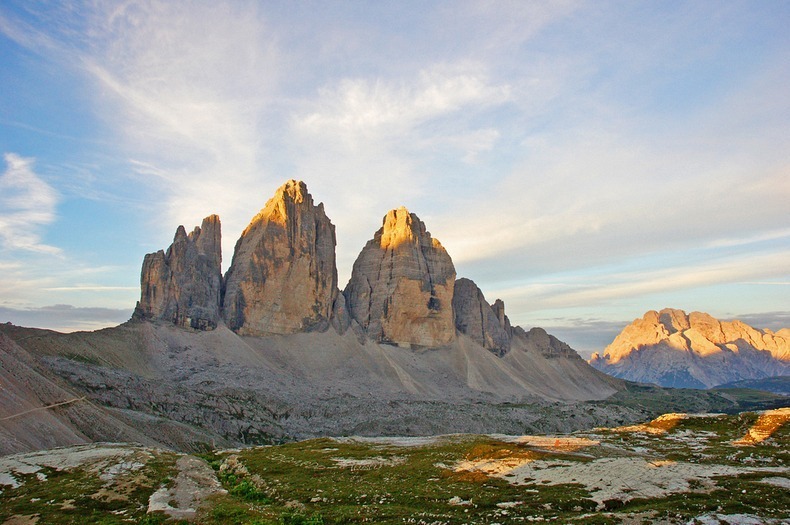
(283, 277)
(401, 287)
(183, 285)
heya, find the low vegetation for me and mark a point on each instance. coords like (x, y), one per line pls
(680, 469)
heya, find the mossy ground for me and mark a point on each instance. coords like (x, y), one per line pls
(327, 481)
(78, 496)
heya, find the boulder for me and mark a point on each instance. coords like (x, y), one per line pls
(283, 277)
(183, 285)
(401, 286)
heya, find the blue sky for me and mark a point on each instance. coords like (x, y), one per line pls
(583, 161)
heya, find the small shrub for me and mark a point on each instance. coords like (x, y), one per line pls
(152, 519)
(294, 518)
(247, 490)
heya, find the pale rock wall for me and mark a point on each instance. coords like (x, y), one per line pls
(401, 286)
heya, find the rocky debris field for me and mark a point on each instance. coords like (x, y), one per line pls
(709, 469)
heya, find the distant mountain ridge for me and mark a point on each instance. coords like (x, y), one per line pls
(673, 349)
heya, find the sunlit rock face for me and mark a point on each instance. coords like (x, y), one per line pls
(183, 285)
(283, 277)
(486, 325)
(401, 287)
(696, 350)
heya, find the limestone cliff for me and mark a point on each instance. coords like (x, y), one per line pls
(671, 348)
(283, 277)
(401, 286)
(486, 325)
(183, 285)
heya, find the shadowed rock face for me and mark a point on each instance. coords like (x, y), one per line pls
(401, 286)
(283, 277)
(476, 318)
(183, 285)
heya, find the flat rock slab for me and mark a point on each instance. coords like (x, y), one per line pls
(195, 482)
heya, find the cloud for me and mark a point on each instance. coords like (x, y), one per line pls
(774, 321)
(27, 203)
(357, 108)
(605, 287)
(64, 317)
(185, 91)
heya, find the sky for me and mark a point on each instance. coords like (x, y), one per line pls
(583, 161)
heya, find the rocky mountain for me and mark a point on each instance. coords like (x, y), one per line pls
(283, 277)
(487, 326)
(274, 351)
(401, 287)
(183, 284)
(673, 349)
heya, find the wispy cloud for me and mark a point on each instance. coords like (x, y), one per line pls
(357, 108)
(609, 287)
(187, 88)
(27, 204)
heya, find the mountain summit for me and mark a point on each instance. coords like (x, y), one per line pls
(671, 348)
(283, 277)
(401, 287)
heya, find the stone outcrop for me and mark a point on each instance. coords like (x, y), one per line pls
(401, 287)
(283, 277)
(696, 350)
(183, 285)
(486, 325)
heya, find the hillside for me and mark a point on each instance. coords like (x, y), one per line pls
(673, 349)
(230, 389)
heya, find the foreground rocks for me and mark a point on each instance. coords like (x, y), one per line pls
(677, 469)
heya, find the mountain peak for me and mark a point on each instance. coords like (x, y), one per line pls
(283, 277)
(676, 349)
(183, 285)
(401, 286)
(400, 226)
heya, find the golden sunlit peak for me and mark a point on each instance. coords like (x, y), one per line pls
(400, 226)
(295, 189)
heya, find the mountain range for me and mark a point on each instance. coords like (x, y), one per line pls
(674, 349)
(273, 350)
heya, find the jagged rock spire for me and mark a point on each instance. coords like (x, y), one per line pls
(183, 285)
(283, 277)
(487, 325)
